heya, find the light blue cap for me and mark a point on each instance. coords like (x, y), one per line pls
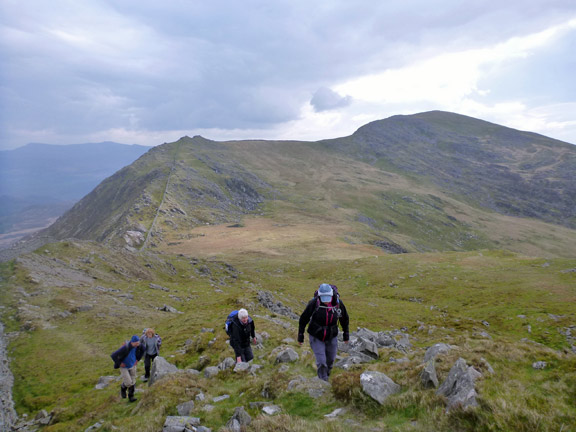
(325, 292)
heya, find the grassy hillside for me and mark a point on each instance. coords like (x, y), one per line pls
(73, 303)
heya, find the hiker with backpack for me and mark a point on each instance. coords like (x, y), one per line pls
(240, 328)
(151, 342)
(322, 315)
(126, 358)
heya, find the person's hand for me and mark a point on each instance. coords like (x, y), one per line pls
(300, 343)
(254, 341)
(346, 342)
(122, 365)
(238, 359)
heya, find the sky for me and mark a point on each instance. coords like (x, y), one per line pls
(149, 72)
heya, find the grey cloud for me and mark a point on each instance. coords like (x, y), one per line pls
(326, 99)
(222, 64)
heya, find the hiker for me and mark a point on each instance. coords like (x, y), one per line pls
(322, 315)
(241, 331)
(151, 342)
(126, 358)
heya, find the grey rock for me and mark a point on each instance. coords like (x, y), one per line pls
(158, 287)
(211, 371)
(459, 386)
(220, 398)
(539, 365)
(347, 362)
(364, 346)
(184, 409)
(434, 350)
(428, 376)
(271, 410)
(227, 363)
(104, 381)
(161, 368)
(378, 386)
(179, 424)
(242, 367)
(337, 412)
(94, 427)
(241, 417)
(286, 356)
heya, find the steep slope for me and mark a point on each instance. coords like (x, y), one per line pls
(428, 182)
(508, 171)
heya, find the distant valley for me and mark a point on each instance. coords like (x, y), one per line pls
(39, 182)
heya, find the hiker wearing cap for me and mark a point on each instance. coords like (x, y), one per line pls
(322, 315)
(241, 333)
(126, 358)
(151, 342)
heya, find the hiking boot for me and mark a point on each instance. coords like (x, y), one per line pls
(123, 391)
(131, 397)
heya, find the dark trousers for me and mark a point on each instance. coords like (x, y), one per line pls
(246, 354)
(148, 359)
(325, 353)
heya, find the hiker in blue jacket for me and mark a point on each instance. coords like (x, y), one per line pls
(151, 342)
(241, 333)
(126, 358)
(322, 315)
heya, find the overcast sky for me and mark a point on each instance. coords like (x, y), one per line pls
(150, 71)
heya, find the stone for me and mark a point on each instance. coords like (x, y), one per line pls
(286, 356)
(459, 386)
(211, 371)
(180, 423)
(315, 387)
(241, 417)
(271, 410)
(337, 412)
(428, 376)
(220, 398)
(94, 427)
(184, 409)
(161, 368)
(227, 363)
(104, 381)
(434, 350)
(366, 347)
(378, 386)
(539, 365)
(242, 367)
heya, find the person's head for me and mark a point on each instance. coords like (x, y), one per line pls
(150, 332)
(325, 293)
(243, 316)
(135, 341)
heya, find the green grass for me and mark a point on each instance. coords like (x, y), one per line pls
(437, 297)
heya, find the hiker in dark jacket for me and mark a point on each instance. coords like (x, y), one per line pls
(242, 332)
(322, 315)
(126, 358)
(151, 342)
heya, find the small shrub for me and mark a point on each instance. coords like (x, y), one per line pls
(345, 384)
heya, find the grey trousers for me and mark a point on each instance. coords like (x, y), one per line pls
(128, 376)
(325, 353)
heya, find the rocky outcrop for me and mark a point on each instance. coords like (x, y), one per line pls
(459, 387)
(378, 386)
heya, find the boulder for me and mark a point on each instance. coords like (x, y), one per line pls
(104, 381)
(184, 409)
(459, 387)
(227, 363)
(434, 350)
(180, 424)
(287, 355)
(211, 371)
(365, 347)
(242, 367)
(160, 368)
(428, 376)
(239, 418)
(271, 410)
(378, 386)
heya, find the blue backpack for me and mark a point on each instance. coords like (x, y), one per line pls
(228, 322)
